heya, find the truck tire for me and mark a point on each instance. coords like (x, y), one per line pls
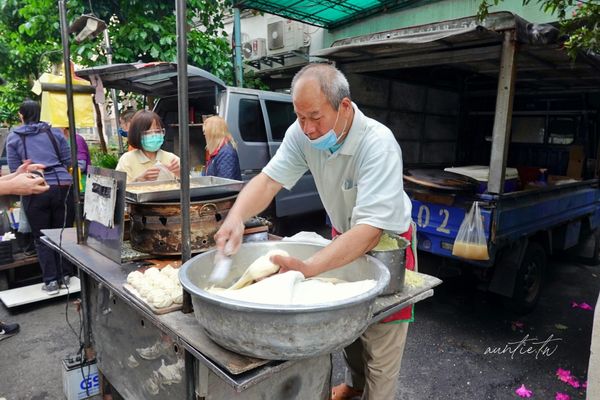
(530, 279)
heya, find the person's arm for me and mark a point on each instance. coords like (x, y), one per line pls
(174, 166)
(13, 158)
(83, 153)
(23, 184)
(124, 166)
(343, 250)
(254, 198)
(27, 166)
(63, 147)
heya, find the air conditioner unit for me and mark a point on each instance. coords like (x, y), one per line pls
(284, 35)
(254, 49)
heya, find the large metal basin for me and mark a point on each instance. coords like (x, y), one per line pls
(281, 332)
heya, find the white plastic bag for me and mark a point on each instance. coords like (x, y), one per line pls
(470, 241)
(165, 174)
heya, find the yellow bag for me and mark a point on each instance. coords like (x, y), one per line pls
(54, 105)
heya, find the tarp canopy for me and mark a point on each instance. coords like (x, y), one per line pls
(329, 14)
(466, 53)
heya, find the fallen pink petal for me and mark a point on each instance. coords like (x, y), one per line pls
(517, 325)
(524, 392)
(573, 382)
(585, 306)
(574, 305)
(563, 374)
(562, 396)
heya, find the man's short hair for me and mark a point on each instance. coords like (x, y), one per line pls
(332, 81)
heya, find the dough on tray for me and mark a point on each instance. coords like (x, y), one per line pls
(159, 288)
(134, 276)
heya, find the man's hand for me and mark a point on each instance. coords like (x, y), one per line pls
(25, 184)
(293, 264)
(148, 175)
(173, 166)
(230, 234)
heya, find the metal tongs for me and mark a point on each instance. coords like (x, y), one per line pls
(222, 264)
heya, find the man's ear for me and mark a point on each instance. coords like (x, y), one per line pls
(347, 103)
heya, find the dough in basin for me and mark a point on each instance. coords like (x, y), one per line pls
(276, 289)
(260, 268)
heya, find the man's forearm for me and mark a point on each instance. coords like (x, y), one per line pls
(7, 177)
(4, 186)
(255, 197)
(345, 249)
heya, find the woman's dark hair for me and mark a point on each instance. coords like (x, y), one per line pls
(30, 111)
(141, 122)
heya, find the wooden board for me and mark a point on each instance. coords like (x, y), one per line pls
(34, 293)
(440, 179)
(160, 264)
(131, 290)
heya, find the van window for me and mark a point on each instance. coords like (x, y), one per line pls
(251, 122)
(281, 115)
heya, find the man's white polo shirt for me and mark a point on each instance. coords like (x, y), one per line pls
(361, 183)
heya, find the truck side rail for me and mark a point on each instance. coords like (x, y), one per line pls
(524, 213)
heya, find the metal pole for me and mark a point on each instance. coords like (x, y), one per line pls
(237, 35)
(184, 139)
(503, 114)
(64, 33)
(113, 92)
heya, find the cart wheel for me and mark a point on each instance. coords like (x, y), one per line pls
(530, 280)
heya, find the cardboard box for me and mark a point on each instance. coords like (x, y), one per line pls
(576, 159)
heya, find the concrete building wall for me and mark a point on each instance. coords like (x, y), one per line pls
(423, 120)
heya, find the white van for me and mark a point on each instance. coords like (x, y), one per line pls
(257, 119)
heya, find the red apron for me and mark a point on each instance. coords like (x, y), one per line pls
(406, 313)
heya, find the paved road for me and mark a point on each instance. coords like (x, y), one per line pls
(445, 356)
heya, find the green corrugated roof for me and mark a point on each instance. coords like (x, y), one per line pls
(329, 14)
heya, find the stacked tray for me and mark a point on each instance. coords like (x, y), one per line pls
(200, 187)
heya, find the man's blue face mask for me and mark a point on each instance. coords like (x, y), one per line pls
(329, 141)
(122, 132)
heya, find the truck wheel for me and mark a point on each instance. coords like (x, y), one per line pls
(530, 279)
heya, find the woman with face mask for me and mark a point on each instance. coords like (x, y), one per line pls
(147, 162)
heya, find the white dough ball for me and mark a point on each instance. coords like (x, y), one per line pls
(135, 275)
(160, 298)
(144, 289)
(153, 271)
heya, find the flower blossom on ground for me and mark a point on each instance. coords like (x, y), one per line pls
(573, 382)
(524, 392)
(563, 374)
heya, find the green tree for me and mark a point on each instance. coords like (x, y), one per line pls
(579, 19)
(139, 31)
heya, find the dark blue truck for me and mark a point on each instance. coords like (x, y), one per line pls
(503, 94)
